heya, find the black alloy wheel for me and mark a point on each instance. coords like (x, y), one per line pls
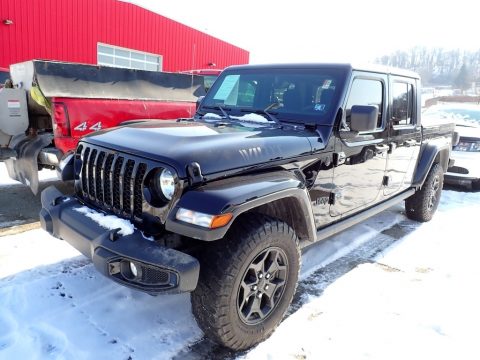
(262, 286)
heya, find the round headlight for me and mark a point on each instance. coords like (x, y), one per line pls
(165, 181)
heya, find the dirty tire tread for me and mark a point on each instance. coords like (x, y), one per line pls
(416, 206)
(211, 300)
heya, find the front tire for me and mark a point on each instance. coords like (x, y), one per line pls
(247, 281)
(422, 205)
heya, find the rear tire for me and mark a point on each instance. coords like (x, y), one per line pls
(247, 281)
(422, 205)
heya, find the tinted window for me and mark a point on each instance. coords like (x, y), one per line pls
(208, 81)
(290, 94)
(4, 76)
(402, 104)
(366, 92)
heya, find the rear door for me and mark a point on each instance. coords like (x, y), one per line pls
(404, 134)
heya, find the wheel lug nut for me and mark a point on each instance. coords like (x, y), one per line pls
(260, 275)
(259, 295)
(266, 287)
(254, 287)
(267, 276)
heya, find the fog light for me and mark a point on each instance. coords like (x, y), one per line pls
(133, 269)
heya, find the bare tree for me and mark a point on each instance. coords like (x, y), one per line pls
(437, 66)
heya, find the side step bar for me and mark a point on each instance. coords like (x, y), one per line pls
(363, 215)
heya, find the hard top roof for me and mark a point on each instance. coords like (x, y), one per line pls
(345, 66)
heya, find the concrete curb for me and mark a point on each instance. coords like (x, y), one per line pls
(19, 229)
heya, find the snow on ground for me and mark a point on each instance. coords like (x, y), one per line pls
(56, 305)
(418, 299)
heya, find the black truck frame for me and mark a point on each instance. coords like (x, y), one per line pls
(277, 157)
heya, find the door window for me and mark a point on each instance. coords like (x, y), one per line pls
(366, 92)
(402, 104)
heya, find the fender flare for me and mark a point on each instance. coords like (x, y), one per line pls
(436, 150)
(240, 194)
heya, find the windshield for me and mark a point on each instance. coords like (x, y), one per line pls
(292, 95)
(208, 81)
(461, 114)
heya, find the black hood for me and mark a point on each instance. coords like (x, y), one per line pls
(215, 148)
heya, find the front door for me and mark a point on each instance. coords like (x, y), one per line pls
(360, 158)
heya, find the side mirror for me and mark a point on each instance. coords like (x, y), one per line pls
(199, 101)
(363, 118)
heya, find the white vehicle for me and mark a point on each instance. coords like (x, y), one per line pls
(466, 154)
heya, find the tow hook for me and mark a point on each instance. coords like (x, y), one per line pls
(114, 234)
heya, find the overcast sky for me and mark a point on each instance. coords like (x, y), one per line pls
(328, 30)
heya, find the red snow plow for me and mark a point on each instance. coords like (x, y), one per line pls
(51, 105)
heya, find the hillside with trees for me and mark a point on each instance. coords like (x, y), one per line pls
(438, 66)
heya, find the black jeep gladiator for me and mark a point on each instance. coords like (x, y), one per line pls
(276, 158)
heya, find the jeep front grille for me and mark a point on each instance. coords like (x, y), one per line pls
(112, 181)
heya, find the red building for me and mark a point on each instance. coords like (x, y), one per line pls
(107, 32)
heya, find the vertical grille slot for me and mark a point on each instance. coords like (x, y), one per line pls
(85, 170)
(99, 166)
(127, 186)
(137, 190)
(107, 180)
(117, 169)
(91, 173)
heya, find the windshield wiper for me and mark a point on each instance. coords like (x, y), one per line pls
(271, 116)
(221, 108)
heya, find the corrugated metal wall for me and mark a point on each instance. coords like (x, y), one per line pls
(69, 30)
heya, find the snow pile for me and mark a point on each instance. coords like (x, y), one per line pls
(252, 117)
(248, 120)
(211, 116)
(459, 113)
(109, 222)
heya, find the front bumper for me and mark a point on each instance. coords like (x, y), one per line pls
(157, 269)
(466, 168)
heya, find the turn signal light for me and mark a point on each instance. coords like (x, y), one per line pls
(220, 220)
